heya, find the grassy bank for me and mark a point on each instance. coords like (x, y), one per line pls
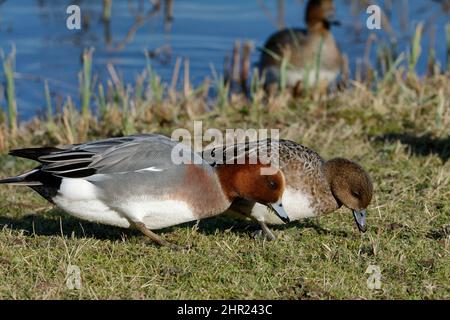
(396, 125)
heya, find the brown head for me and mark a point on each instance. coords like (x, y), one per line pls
(319, 14)
(247, 181)
(351, 186)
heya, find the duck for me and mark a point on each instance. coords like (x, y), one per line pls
(300, 48)
(314, 186)
(145, 181)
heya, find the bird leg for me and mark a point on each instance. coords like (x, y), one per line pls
(153, 236)
(243, 209)
(267, 232)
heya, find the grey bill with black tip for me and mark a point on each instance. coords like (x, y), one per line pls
(278, 209)
(360, 219)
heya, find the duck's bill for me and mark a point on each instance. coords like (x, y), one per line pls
(332, 20)
(278, 209)
(335, 23)
(360, 219)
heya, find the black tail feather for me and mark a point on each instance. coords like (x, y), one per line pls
(13, 180)
(33, 153)
(42, 182)
(23, 179)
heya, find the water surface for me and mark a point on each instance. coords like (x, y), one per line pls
(203, 31)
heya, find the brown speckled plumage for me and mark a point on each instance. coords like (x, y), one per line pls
(301, 47)
(326, 184)
(303, 169)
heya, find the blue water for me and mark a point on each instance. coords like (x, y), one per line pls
(202, 30)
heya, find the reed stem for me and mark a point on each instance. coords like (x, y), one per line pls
(106, 13)
(48, 101)
(447, 31)
(86, 80)
(8, 69)
(416, 49)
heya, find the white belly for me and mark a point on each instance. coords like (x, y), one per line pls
(294, 76)
(295, 203)
(81, 199)
(157, 214)
(93, 211)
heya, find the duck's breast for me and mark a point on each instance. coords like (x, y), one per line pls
(165, 198)
(302, 56)
(296, 204)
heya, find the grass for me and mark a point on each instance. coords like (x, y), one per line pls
(323, 258)
(397, 127)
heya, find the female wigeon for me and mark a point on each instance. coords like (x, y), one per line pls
(301, 49)
(134, 181)
(313, 186)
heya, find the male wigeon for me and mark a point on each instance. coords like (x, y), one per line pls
(302, 48)
(313, 186)
(133, 182)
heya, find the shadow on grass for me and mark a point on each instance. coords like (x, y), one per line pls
(247, 227)
(421, 145)
(57, 223)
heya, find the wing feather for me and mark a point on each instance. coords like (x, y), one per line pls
(110, 156)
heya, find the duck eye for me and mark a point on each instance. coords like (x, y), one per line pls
(356, 194)
(272, 185)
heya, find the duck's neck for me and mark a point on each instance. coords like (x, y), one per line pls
(330, 170)
(239, 180)
(322, 26)
(315, 19)
(226, 175)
